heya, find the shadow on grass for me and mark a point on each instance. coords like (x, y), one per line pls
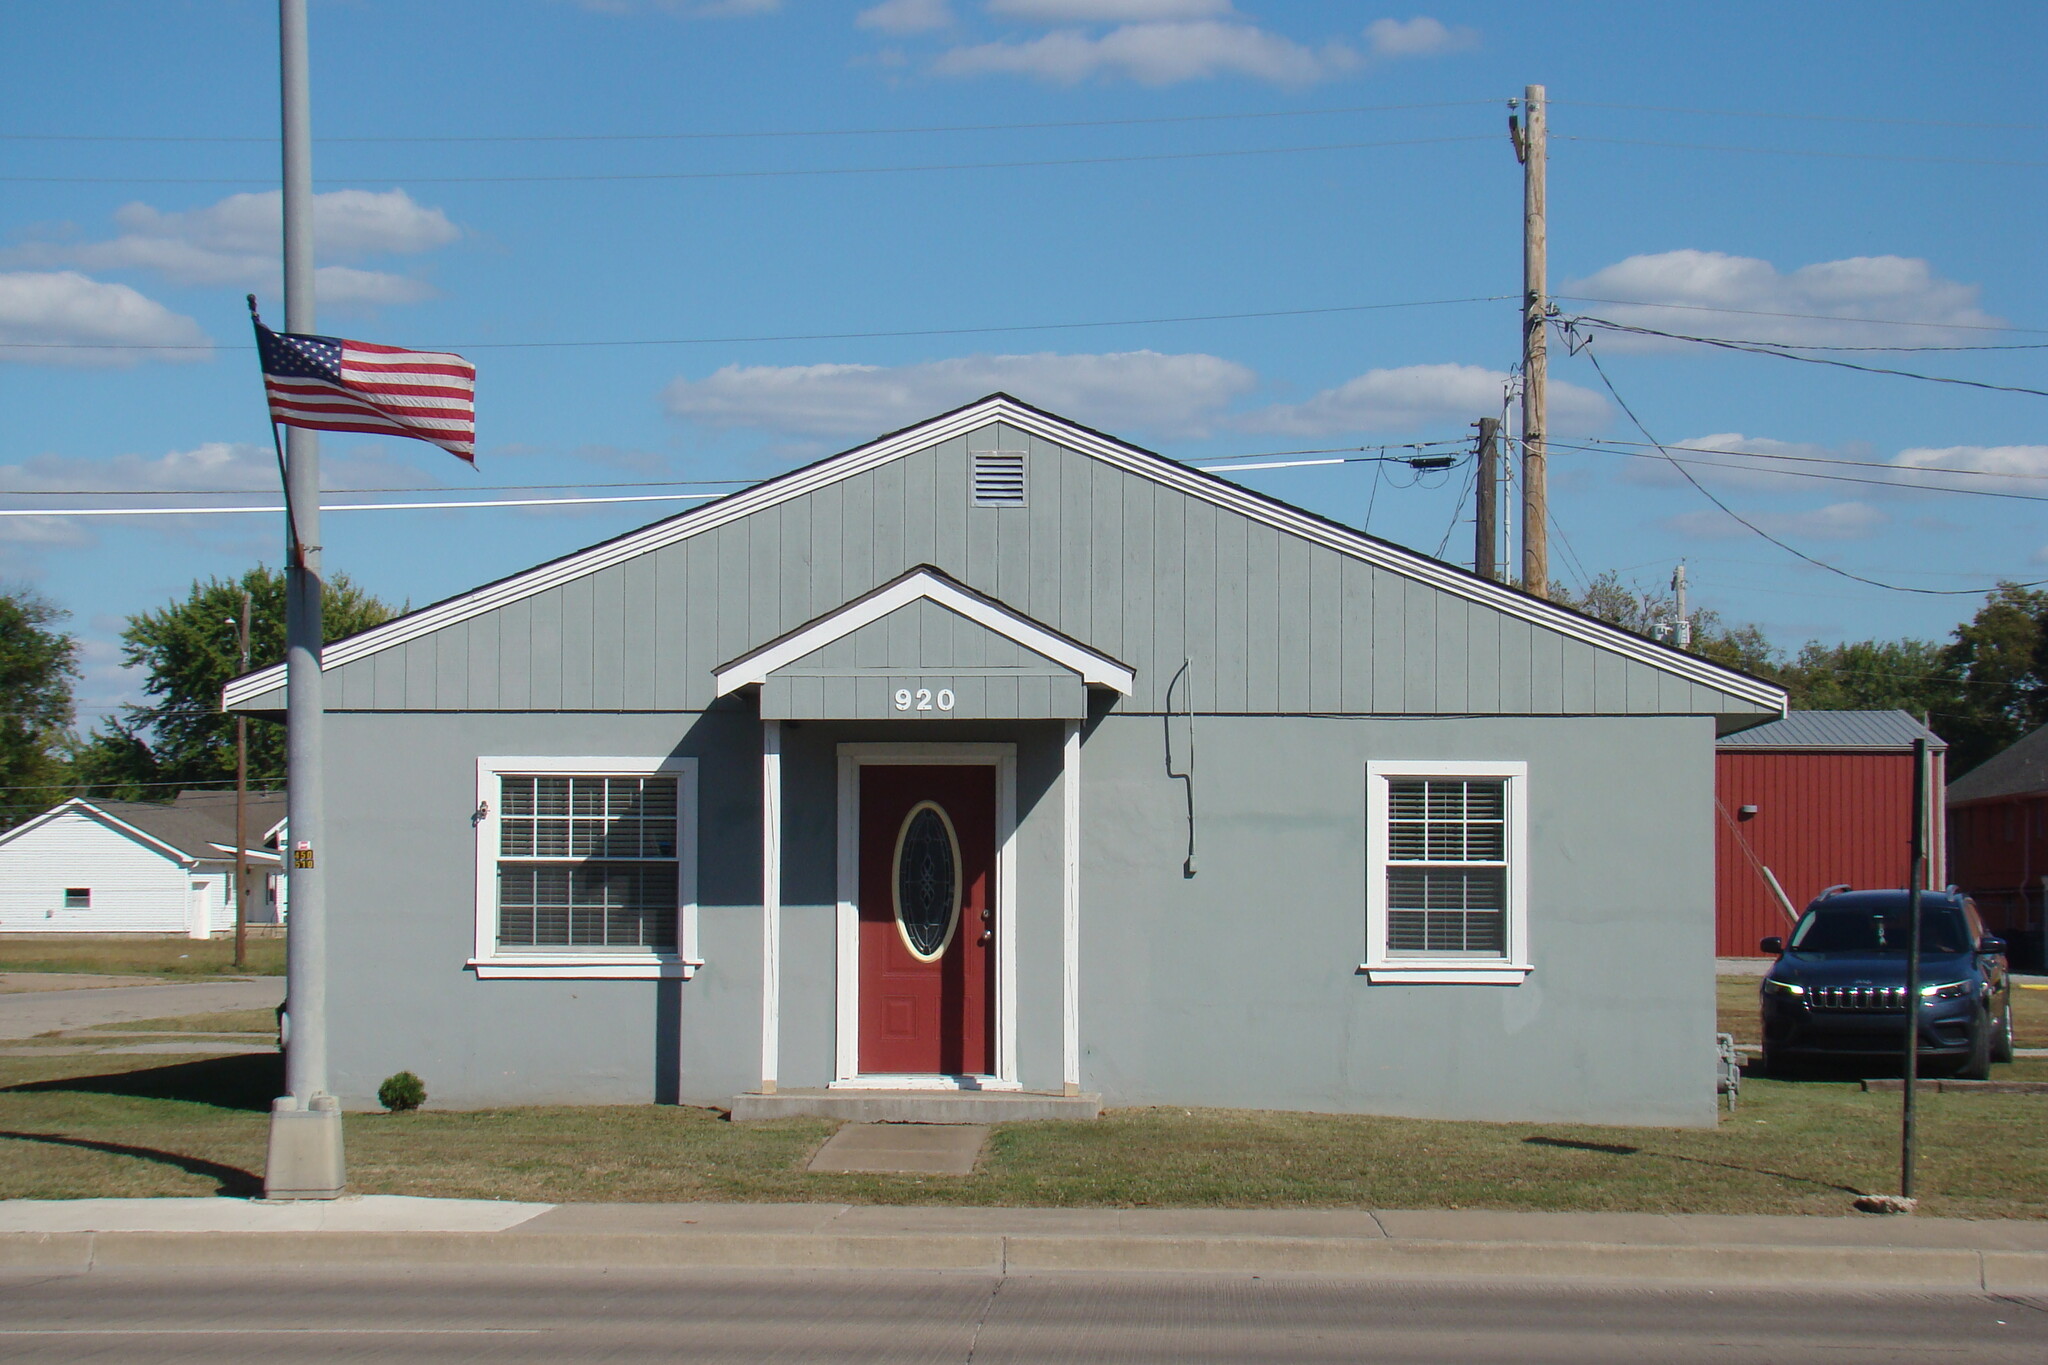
(232, 1180)
(1616, 1149)
(247, 1082)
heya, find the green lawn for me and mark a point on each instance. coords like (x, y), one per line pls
(140, 956)
(81, 1126)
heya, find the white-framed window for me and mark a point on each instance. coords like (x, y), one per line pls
(1447, 872)
(78, 898)
(586, 867)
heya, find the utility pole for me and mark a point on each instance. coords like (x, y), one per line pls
(242, 810)
(305, 1157)
(1681, 629)
(1486, 518)
(1909, 1112)
(1532, 147)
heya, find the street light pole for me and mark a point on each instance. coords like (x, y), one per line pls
(305, 1156)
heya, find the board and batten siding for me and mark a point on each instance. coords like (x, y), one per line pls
(135, 889)
(1270, 623)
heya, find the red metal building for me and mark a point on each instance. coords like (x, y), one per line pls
(1817, 799)
(1998, 841)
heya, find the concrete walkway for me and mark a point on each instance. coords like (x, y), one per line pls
(26, 1014)
(1924, 1253)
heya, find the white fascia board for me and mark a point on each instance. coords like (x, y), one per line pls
(1094, 668)
(1209, 488)
(78, 805)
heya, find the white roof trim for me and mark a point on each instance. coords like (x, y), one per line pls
(78, 805)
(1094, 668)
(1207, 487)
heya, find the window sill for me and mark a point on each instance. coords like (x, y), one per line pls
(566, 967)
(1445, 973)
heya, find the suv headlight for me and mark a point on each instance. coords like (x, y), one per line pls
(1773, 986)
(1950, 990)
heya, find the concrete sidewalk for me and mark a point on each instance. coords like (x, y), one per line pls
(26, 1014)
(1925, 1253)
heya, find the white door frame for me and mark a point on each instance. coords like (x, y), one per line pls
(852, 757)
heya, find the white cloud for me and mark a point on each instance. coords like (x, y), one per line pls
(1836, 521)
(74, 317)
(1418, 37)
(1107, 11)
(2026, 466)
(906, 16)
(1748, 462)
(238, 242)
(1413, 396)
(1131, 390)
(1155, 54)
(1834, 299)
(232, 465)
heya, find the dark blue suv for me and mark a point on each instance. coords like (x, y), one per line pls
(1838, 988)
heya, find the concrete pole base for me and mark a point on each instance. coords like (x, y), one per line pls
(304, 1161)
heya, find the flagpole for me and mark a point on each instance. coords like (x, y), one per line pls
(305, 1152)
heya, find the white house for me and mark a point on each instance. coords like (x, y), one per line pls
(93, 866)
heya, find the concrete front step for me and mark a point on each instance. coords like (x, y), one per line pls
(916, 1106)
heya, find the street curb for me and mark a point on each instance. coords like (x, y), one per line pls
(1939, 1268)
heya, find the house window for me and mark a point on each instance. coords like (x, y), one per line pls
(78, 898)
(586, 867)
(1446, 873)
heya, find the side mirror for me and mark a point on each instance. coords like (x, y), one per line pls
(1772, 945)
(1991, 943)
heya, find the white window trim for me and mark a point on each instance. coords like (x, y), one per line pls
(1379, 966)
(494, 964)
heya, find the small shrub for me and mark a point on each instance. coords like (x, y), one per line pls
(402, 1092)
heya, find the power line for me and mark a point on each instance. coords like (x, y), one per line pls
(1804, 118)
(1800, 151)
(1598, 449)
(1808, 317)
(782, 174)
(770, 133)
(1708, 494)
(1827, 459)
(341, 507)
(829, 336)
(1771, 349)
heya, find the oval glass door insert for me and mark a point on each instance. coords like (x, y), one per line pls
(927, 881)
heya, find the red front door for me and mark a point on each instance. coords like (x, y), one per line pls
(927, 919)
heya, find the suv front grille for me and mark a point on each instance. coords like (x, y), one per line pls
(1857, 997)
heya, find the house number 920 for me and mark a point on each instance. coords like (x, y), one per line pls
(924, 699)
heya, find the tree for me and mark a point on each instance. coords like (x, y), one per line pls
(1652, 612)
(1874, 675)
(189, 650)
(1999, 661)
(37, 665)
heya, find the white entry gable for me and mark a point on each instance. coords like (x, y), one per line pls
(925, 583)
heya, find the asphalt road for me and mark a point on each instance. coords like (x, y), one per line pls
(28, 1013)
(588, 1314)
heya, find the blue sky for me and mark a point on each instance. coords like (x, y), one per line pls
(1818, 174)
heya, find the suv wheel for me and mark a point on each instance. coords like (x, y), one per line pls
(2001, 1042)
(1977, 1066)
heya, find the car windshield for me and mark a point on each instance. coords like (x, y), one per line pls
(1848, 929)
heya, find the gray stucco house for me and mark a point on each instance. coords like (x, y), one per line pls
(1000, 755)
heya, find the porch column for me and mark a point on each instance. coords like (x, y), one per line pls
(771, 901)
(1070, 909)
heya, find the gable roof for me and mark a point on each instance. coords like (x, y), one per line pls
(2013, 771)
(1195, 483)
(1858, 731)
(928, 584)
(185, 832)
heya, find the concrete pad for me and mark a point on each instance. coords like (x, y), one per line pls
(916, 1106)
(361, 1213)
(902, 1149)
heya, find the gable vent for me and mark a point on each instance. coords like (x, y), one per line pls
(998, 478)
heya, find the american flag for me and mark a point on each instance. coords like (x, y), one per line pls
(329, 384)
